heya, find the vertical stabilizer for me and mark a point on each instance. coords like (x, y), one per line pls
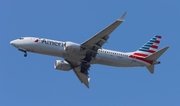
(149, 53)
(148, 48)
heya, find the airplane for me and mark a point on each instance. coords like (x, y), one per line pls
(79, 57)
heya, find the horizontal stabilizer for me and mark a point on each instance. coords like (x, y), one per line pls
(150, 68)
(157, 54)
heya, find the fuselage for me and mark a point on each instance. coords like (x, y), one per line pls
(56, 48)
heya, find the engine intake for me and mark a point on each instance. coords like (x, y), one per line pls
(62, 65)
(72, 47)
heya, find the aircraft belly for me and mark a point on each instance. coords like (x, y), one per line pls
(112, 60)
(137, 63)
(75, 57)
(117, 61)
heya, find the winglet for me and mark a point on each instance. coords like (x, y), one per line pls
(122, 17)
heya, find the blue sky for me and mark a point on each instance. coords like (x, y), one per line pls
(33, 81)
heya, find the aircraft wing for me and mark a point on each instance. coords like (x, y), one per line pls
(84, 78)
(97, 41)
(77, 67)
(91, 46)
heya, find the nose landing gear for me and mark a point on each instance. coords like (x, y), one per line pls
(25, 52)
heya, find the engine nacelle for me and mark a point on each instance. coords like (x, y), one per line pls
(72, 47)
(62, 65)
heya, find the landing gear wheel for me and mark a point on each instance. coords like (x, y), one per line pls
(25, 55)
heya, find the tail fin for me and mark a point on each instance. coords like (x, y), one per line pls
(149, 52)
(153, 58)
(148, 48)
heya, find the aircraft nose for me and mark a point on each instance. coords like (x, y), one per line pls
(13, 42)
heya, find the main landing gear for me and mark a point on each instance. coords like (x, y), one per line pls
(25, 52)
(84, 65)
(84, 68)
(87, 58)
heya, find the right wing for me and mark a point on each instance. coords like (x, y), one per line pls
(84, 78)
(81, 71)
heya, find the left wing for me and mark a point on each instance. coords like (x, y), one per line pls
(97, 41)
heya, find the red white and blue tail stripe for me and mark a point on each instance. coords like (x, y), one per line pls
(148, 48)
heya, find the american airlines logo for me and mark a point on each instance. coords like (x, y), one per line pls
(36, 40)
(49, 42)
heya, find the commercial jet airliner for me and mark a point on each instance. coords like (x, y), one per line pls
(79, 57)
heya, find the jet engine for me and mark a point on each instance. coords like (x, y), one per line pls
(72, 47)
(62, 65)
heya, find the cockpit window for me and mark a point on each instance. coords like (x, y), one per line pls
(21, 38)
